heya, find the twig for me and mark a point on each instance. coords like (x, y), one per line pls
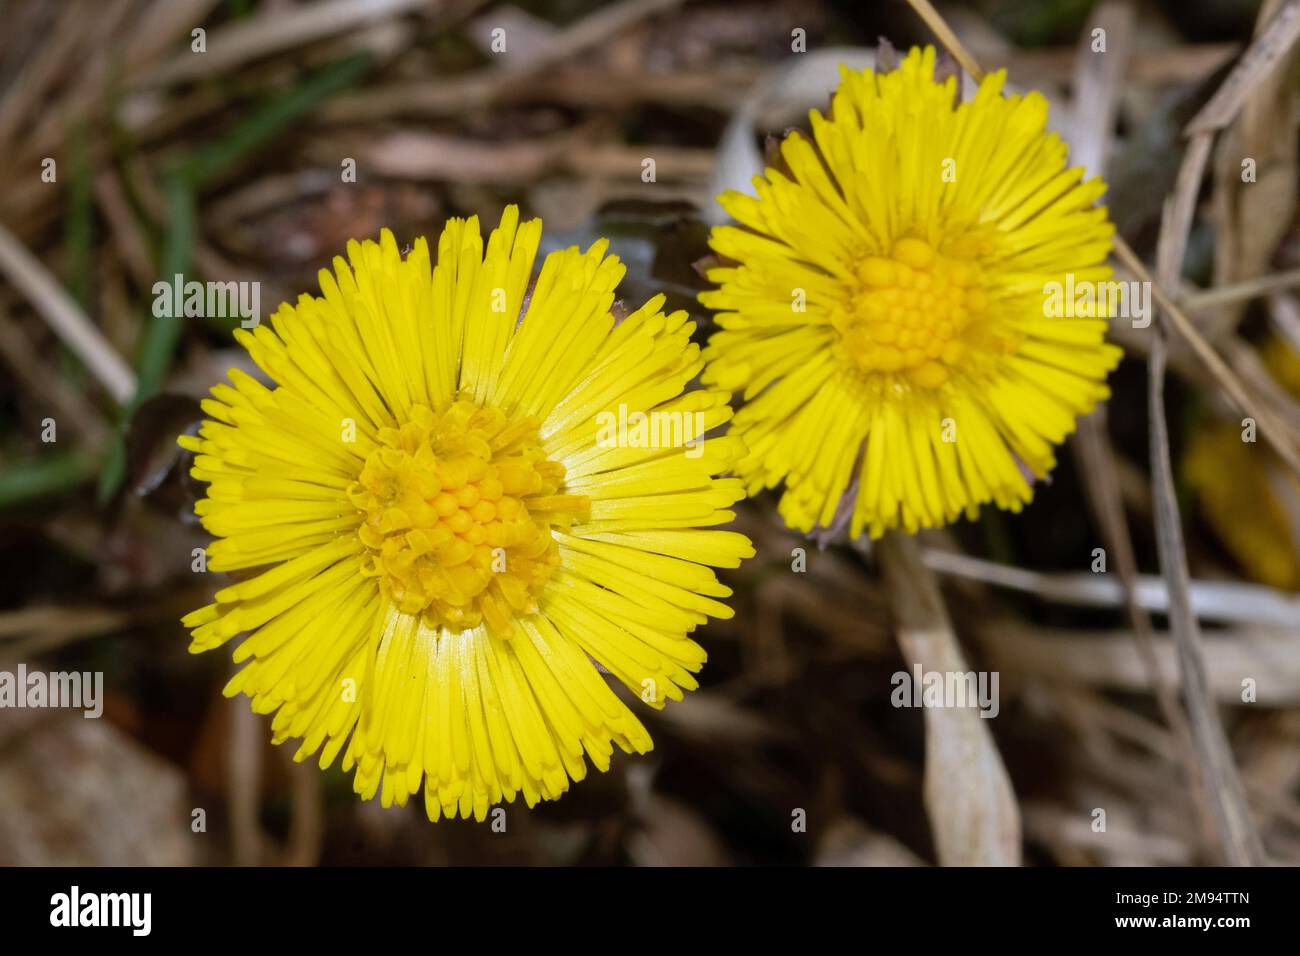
(1186, 64)
(68, 404)
(1211, 600)
(939, 25)
(1109, 659)
(1221, 782)
(275, 31)
(424, 155)
(1274, 431)
(1239, 291)
(40, 71)
(65, 317)
(1097, 91)
(60, 620)
(158, 26)
(476, 89)
(1264, 53)
(1048, 823)
(127, 234)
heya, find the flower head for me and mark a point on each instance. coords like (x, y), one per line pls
(437, 533)
(882, 304)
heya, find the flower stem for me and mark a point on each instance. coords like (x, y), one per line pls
(974, 817)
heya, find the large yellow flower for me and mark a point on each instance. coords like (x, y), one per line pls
(462, 491)
(882, 304)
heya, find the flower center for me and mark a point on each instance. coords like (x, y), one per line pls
(459, 507)
(913, 309)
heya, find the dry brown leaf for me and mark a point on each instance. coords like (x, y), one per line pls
(62, 777)
(1253, 217)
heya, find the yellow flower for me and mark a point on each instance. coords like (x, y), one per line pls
(442, 529)
(884, 300)
(1246, 492)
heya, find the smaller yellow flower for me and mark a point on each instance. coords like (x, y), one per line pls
(883, 304)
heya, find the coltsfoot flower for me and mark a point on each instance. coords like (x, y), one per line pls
(882, 304)
(437, 532)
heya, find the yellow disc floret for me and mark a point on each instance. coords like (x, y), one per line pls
(916, 311)
(459, 507)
